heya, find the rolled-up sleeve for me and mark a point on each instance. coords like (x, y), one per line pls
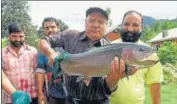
(42, 61)
(40, 70)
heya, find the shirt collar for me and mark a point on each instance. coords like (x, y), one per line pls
(24, 47)
(83, 37)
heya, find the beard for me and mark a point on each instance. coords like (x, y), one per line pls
(128, 36)
(16, 43)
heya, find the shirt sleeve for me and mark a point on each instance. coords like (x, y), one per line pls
(56, 40)
(154, 73)
(107, 89)
(40, 70)
(41, 61)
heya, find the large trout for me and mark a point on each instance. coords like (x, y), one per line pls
(96, 62)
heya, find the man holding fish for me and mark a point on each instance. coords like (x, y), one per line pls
(95, 90)
(132, 91)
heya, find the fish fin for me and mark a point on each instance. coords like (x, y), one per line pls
(126, 71)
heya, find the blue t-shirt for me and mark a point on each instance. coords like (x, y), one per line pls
(55, 88)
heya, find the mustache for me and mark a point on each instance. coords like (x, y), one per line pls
(17, 43)
(128, 36)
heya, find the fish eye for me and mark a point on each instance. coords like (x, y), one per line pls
(142, 49)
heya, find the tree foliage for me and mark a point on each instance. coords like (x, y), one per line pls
(63, 26)
(16, 11)
(157, 27)
(4, 42)
(168, 53)
(108, 10)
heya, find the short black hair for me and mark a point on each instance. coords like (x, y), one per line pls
(97, 10)
(47, 19)
(14, 27)
(131, 12)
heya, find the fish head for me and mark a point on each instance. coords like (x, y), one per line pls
(143, 51)
(136, 52)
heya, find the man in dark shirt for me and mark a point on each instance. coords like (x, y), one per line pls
(55, 92)
(99, 89)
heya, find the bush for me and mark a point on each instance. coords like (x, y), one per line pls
(32, 40)
(168, 53)
(170, 73)
(4, 42)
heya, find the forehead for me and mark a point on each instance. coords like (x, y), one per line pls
(17, 34)
(49, 23)
(133, 18)
(96, 15)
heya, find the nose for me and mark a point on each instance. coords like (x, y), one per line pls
(50, 29)
(17, 38)
(130, 28)
(96, 24)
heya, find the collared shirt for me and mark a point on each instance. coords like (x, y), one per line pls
(19, 68)
(132, 91)
(76, 42)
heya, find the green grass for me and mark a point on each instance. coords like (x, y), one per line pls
(168, 94)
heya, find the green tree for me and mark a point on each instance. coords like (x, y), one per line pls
(63, 26)
(147, 33)
(168, 53)
(108, 10)
(156, 28)
(4, 42)
(16, 11)
(169, 24)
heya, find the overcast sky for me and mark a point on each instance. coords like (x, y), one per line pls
(73, 12)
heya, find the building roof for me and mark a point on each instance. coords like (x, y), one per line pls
(170, 34)
(113, 29)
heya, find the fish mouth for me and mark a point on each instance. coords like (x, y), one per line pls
(148, 53)
(140, 64)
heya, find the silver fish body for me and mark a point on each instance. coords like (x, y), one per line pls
(97, 61)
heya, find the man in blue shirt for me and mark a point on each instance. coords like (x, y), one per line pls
(55, 91)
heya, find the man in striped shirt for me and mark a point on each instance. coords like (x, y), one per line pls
(99, 89)
(20, 61)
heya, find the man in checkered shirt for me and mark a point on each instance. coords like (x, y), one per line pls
(20, 61)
